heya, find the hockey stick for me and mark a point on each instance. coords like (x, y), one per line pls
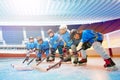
(30, 61)
(40, 61)
(24, 60)
(79, 50)
(43, 59)
(59, 63)
(51, 67)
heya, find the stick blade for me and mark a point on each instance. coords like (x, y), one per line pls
(39, 68)
(57, 65)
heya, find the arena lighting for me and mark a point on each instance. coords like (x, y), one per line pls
(42, 23)
(26, 7)
(56, 12)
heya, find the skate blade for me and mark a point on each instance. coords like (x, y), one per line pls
(83, 64)
(114, 68)
(74, 64)
(50, 61)
(69, 62)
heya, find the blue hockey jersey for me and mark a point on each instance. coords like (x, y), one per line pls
(67, 39)
(30, 45)
(91, 36)
(44, 47)
(55, 41)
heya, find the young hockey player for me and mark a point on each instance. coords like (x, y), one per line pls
(69, 44)
(91, 38)
(56, 42)
(42, 47)
(74, 47)
(31, 47)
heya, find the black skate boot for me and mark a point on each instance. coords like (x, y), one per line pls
(47, 60)
(38, 59)
(27, 58)
(110, 65)
(51, 58)
(67, 59)
(75, 61)
(82, 61)
(75, 58)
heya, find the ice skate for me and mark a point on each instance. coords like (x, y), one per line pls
(110, 65)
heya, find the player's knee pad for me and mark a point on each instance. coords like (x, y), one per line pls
(86, 45)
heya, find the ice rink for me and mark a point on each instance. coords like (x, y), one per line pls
(94, 70)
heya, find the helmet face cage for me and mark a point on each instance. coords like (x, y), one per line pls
(40, 39)
(31, 39)
(74, 32)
